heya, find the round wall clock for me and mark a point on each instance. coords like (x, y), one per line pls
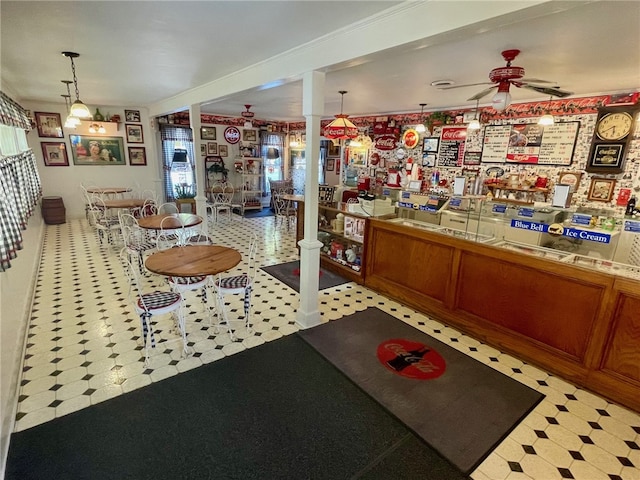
(614, 126)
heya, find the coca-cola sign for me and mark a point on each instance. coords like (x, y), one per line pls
(385, 142)
(232, 135)
(411, 138)
(454, 133)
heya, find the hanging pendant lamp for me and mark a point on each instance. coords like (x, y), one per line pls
(78, 109)
(547, 118)
(475, 123)
(341, 128)
(420, 128)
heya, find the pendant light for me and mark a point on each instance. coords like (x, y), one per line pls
(475, 123)
(341, 128)
(420, 128)
(78, 109)
(547, 118)
(71, 121)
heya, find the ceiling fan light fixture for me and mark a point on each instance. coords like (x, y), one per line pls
(502, 99)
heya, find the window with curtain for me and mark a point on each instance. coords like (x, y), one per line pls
(272, 153)
(180, 173)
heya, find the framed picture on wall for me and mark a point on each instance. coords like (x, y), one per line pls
(212, 148)
(430, 144)
(570, 178)
(55, 154)
(137, 156)
(49, 125)
(208, 133)
(134, 133)
(248, 135)
(601, 189)
(333, 150)
(203, 149)
(223, 150)
(331, 164)
(132, 116)
(86, 150)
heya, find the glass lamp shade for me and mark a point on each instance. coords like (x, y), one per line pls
(79, 110)
(500, 101)
(71, 122)
(420, 128)
(341, 128)
(474, 124)
(546, 120)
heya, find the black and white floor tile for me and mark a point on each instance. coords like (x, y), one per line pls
(84, 347)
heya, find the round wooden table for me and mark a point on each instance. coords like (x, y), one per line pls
(176, 220)
(124, 203)
(193, 260)
(108, 190)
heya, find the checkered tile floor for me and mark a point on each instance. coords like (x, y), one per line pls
(84, 347)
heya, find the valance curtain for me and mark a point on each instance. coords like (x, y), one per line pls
(173, 136)
(20, 187)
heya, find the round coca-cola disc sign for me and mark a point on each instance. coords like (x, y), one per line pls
(411, 359)
(232, 135)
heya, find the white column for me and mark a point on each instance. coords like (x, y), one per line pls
(201, 175)
(308, 314)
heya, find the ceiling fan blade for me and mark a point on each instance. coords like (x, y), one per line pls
(481, 94)
(556, 92)
(535, 80)
(466, 85)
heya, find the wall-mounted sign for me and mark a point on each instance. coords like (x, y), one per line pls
(232, 135)
(410, 138)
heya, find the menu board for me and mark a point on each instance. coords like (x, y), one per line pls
(530, 143)
(451, 150)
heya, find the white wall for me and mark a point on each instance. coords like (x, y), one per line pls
(16, 293)
(65, 181)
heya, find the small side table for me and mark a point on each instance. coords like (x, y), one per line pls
(186, 201)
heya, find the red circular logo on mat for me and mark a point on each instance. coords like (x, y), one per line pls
(411, 359)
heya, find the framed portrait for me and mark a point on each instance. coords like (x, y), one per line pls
(606, 158)
(132, 116)
(212, 148)
(55, 154)
(223, 151)
(570, 178)
(208, 133)
(248, 135)
(333, 150)
(331, 164)
(137, 156)
(601, 189)
(430, 144)
(49, 124)
(203, 149)
(134, 133)
(86, 150)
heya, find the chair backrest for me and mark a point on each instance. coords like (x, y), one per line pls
(132, 277)
(168, 207)
(168, 238)
(283, 206)
(126, 219)
(221, 193)
(252, 263)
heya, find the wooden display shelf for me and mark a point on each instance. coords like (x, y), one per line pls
(498, 190)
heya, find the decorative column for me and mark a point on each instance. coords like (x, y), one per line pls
(308, 314)
(201, 174)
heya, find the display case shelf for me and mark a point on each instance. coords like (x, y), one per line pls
(251, 182)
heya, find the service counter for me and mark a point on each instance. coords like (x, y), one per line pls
(572, 315)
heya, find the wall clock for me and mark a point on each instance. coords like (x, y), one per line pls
(611, 138)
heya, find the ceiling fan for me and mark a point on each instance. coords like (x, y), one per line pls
(504, 77)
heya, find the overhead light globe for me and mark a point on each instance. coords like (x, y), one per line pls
(500, 101)
(474, 124)
(79, 110)
(546, 120)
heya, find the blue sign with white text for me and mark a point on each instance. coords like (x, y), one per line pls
(527, 225)
(526, 212)
(499, 208)
(632, 226)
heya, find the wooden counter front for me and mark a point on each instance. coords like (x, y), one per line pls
(578, 323)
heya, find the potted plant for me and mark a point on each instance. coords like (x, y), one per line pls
(437, 118)
(185, 190)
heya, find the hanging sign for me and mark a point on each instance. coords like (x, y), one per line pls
(232, 135)
(385, 142)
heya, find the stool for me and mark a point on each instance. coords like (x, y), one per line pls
(53, 211)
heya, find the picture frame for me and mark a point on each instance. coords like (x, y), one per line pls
(249, 135)
(89, 150)
(570, 178)
(358, 157)
(208, 133)
(430, 144)
(606, 158)
(212, 148)
(333, 150)
(601, 189)
(55, 154)
(203, 149)
(331, 164)
(223, 150)
(49, 125)
(137, 156)
(134, 133)
(132, 116)
(429, 160)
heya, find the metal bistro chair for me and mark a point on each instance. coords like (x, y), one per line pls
(237, 285)
(153, 303)
(136, 241)
(221, 201)
(285, 211)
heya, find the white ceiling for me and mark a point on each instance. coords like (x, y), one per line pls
(140, 53)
